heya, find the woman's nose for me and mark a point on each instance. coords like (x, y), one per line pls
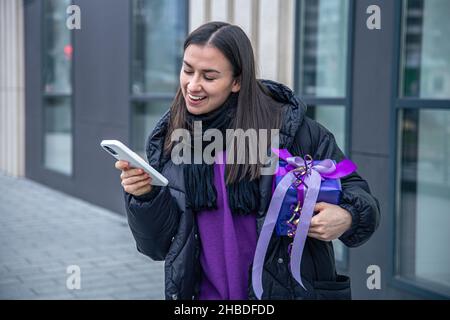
(194, 85)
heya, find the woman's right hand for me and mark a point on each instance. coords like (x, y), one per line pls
(134, 181)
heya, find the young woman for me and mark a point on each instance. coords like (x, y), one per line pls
(205, 223)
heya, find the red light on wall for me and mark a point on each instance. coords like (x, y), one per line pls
(68, 50)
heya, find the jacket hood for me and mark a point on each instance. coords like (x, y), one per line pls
(293, 113)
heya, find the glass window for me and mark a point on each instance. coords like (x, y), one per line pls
(333, 118)
(426, 50)
(58, 135)
(321, 70)
(145, 115)
(423, 160)
(424, 185)
(57, 48)
(340, 254)
(57, 87)
(158, 32)
(322, 39)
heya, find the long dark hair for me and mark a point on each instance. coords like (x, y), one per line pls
(255, 109)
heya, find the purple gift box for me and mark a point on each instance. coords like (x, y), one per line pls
(297, 178)
(330, 192)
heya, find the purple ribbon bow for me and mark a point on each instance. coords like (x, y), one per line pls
(315, 173)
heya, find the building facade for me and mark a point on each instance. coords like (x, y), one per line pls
(376, 73)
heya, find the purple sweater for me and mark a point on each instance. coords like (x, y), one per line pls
(228, 244)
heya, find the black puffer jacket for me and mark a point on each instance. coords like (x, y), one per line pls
(165, 229)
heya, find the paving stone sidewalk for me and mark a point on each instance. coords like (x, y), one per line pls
(43, 231)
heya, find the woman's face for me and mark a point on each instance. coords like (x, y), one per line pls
(206, 79)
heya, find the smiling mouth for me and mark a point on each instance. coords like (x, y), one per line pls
(196, 98)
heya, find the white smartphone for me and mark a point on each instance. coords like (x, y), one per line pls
(121, 152)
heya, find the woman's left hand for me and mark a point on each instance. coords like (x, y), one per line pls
(330, 222)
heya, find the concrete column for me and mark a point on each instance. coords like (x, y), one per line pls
(12, 91)
(286, 43)
(219, 10)
(199, 11)
(270, 25)
(245, 16)
(268, 39)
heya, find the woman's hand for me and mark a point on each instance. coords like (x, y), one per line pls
(134, 181)
(330, 222)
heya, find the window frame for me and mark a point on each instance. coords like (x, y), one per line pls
(345, 102)
(46, 96)
(146, 97)
(400, 103)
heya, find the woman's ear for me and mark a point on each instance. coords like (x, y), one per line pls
(236, 85)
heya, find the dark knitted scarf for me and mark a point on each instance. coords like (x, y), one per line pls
(201, 193)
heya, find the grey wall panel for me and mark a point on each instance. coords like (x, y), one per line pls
(373, 252)
(102, 63)
(373, 65)
(377, 250)
(33, 105)
(372, 85)
(100, 100)
(97, 181)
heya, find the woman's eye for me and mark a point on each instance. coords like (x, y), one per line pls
(209, 79)
(188, 71)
